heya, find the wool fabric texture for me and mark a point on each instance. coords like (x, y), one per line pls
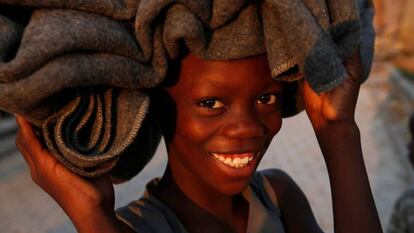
(80, 70)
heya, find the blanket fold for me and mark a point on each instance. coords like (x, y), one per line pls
(80, 70)
(117, 9)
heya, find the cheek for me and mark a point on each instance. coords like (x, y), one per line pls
(194, 130)
(273, 123)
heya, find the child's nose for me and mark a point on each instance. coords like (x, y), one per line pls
(244, 124)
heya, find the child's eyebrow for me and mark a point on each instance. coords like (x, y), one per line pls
(218, 81)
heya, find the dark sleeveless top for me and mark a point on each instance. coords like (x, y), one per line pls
(150, 215)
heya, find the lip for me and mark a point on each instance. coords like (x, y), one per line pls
(242, 172)
(237, 154)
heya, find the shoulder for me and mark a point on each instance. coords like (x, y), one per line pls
(130, 218)
(293, 203)
(280, 181)
(142, 216)
(284, 187)
(276, 175)
(125, 227)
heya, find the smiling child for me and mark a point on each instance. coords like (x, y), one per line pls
(221, 126)
(98, 79)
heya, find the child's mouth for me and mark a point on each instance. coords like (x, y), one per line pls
(234, 160)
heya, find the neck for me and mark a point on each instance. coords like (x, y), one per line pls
(194, 191)
(198, 203)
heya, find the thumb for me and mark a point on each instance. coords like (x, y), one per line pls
(353, 66)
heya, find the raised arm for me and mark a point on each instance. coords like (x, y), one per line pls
(89, 203)
(332, 117)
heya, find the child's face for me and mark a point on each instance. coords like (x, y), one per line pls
(224, 111)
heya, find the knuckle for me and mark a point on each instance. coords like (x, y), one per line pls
(35, 175)
(20, 141)
(38, 175)
(39, 168)
(20, 145)
(45, 168)
(17, 143)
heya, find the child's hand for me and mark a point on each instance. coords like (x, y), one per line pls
(82, 199)
(332, 117)
(337, 105)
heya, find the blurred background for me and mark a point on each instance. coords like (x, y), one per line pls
(385, 104)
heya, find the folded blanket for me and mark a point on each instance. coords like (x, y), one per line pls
(79, 70)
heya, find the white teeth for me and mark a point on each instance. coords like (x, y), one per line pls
(236, 162)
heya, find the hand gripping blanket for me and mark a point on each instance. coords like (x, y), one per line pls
(80, 70)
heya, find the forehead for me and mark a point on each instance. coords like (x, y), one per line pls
(252, 71)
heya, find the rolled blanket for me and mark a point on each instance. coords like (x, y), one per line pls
(80, 70)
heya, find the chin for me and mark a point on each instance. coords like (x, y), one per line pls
(232, 179)
(233, 188)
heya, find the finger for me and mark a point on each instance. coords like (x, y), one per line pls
(20, 144)
(310, 94)
(29, 142)
(27, 135)
(24, 126)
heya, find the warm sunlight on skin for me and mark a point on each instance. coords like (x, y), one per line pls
(222, 114)
(221, 117)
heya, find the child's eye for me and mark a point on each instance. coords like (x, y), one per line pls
(211, 103)
(267, 99)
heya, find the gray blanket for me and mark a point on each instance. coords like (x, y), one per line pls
(79, 70)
